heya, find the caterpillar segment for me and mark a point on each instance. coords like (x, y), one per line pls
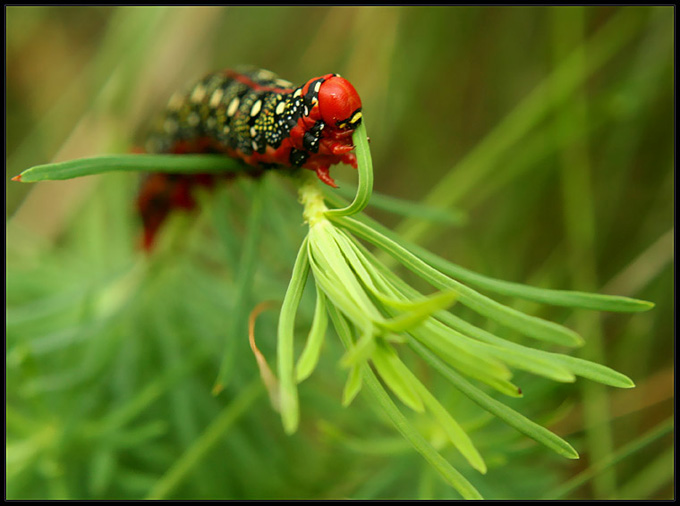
(253, 116)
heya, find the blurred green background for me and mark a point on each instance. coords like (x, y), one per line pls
(552, 128)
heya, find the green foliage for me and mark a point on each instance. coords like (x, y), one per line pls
(556, 124)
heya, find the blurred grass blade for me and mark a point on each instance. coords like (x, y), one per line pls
(508, 415)
(216, 431)
(631, 448)
(552, 92)
(286, 333)
(185, 164)
(237, 329)
(365, 165)
(648, 480)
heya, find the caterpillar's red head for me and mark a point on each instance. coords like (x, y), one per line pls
(339, 103)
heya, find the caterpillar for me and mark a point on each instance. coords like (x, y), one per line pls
(253, 116)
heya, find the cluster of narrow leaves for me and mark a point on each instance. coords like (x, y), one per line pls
(379, 317)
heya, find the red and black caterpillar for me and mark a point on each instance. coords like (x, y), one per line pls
(253, 116)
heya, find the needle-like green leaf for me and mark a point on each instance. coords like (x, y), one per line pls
(401, 423)
(285, 351)
(508, 415)
(310, 353)
(529, 325)
(185, 164)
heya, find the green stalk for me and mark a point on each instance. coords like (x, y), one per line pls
(185, 164)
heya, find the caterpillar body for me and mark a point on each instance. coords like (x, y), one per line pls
(254, 116)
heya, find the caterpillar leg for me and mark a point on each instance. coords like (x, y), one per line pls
(350, 159)
(333, 147)
(323, 174)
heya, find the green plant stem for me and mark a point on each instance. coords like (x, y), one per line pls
(185, 164)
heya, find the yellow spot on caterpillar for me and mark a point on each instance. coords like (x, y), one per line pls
(216, 97)
(266, 74)
(233, 106)
(283, 83)
(280, 108)
(253, 132)
(355, 118)
(254, 111)
(198, 94)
